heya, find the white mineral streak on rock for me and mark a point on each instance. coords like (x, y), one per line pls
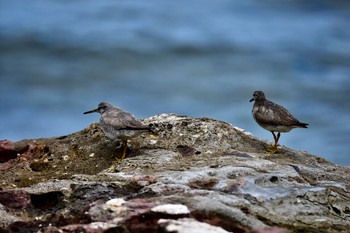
(187, 225)
(116, 202)
(171, 209)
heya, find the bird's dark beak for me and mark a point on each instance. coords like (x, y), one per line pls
(251, 100)
(91, 111)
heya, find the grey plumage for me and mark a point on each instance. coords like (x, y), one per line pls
(118, 124)
(273, 117)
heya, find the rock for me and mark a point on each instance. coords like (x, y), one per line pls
(15, 199)
(172, 209)
(7, 151)
(195, 172)
(187, 225)
(6, 218)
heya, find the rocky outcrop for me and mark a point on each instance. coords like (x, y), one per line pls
(190, 175)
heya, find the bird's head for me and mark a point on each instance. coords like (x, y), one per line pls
(258, 95)
(102, 107)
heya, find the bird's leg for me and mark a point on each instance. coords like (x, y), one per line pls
(273, 149)
(269, 147)
(276, 139)
(125, 146)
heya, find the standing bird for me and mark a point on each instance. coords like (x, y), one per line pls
(274, 118)
(119, 124)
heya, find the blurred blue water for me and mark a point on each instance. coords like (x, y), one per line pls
(199, 58)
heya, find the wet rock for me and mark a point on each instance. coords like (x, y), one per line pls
(191, 171)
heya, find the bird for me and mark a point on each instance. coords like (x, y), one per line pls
(119, 124)
(274, 118)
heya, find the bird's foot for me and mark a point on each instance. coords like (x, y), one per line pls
(268, 147)
(272, 149)
(118, 160)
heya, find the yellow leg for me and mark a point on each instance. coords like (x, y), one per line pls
(125, 146)
(273, 149)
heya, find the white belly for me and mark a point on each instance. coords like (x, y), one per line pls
(278, 128)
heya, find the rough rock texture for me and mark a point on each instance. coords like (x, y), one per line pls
(191, 175)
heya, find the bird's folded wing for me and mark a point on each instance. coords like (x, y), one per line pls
(123, 120)
(273, 114)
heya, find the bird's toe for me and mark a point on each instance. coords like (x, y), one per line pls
(272, 150)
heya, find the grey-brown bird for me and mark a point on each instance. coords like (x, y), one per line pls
(274, 118)
(119, 124)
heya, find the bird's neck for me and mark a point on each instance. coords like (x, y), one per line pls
(259, 102)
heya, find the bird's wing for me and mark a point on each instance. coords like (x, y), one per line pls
(274, 114)
(122, 120)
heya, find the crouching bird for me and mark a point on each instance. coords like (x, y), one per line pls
(119, 124)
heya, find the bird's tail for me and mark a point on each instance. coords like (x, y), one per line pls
(303, 125)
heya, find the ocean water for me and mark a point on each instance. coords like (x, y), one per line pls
(197, 58)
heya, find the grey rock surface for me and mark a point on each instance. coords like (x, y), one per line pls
(196, 172)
